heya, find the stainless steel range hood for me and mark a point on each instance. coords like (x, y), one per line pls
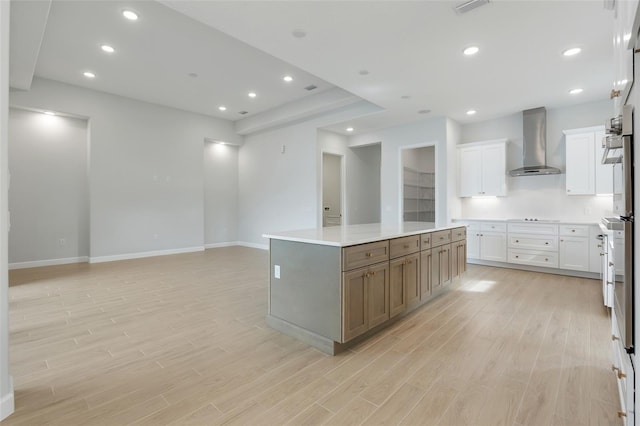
(534, 145)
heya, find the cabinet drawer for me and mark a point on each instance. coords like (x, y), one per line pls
(493, 226)
(473, 226)
(440, 238)
(533, 228)
(536, 242)
(533, 258)
(574, 230)
(364, 254)
(403, 246)
(425, 241)
(458, 234)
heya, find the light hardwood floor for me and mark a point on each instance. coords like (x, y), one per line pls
(182, 340)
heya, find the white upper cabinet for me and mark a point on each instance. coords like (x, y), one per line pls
(482, 169)
(585, 173)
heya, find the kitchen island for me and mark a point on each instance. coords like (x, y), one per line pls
(333, 287)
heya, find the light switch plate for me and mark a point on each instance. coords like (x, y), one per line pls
(276, 271)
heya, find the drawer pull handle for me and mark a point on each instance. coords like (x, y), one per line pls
(546, 243)
(373, 273)
(622, 414)
(573, 230)
(546, 259)
(517, 241)
(406, 246)
(442, 238)
(369, 254)
(619, 372)
(610, 263)
(517, 257)
(614, 368)
(614, 337)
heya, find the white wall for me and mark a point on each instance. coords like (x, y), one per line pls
(6, 386)
(281, 191)
(538, 196)
(393, 140)
(146, 168)
(363, 184)
(220, 194)
(49, 194)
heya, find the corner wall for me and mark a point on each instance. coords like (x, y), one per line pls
(6, 385)
(146, 169)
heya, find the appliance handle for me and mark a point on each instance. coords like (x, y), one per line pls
(627, 166)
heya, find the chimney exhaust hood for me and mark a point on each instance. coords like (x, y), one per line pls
(534, 145)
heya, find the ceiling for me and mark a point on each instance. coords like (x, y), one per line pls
(411, 52)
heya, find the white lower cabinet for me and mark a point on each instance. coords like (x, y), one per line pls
(566, 246)
(487, 241)
(573, 249)
(622, 368)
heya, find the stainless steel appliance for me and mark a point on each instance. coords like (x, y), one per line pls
(619, 152)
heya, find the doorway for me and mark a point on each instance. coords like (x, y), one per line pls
(331, 189)
(419, 184)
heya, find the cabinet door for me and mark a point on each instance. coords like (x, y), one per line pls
(574, 253)
(458, 258)
(580, 153)
(473, 244)
(436, 278)
(494, 181)
(378, 289)
(412, 279)
(469, 172)
(397, 286)
(426, 263)
(604, 172)
(355, 297)
(445, 265)
(493, 246)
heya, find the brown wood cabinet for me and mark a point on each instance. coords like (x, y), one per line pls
(458, 258)
(404, 283)
(365, 299)
(440, 267)
(426, 266)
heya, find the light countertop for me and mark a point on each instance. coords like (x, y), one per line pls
(540, 220)
(349, 235)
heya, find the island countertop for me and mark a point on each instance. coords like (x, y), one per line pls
(349, 235)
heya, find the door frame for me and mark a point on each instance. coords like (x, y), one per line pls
(401, 178)
(343, 198)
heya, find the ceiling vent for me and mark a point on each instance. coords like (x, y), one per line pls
(469, 5)
(310, 87)
(243, 112)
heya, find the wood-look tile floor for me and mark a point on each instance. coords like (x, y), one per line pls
(182, 340)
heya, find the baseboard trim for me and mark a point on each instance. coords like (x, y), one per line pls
(7, 403)
(48, 262)
(253, 245)
(220, 245)
(569, 273)
(140, 255)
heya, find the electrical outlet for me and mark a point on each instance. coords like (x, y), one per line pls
(276, 271)
(62, 241)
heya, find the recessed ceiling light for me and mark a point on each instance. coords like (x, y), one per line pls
(405, 97)
(49, 113)
(471, 112)
(130, 15)
(222, 108)
(89, 74)
(571, 52)
(299, 33)
(252, 94)
(471, 50)
(575, 91)
(287, 78)
(363, 72)
(107, 48)
(349, 129)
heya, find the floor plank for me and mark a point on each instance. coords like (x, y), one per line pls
(182, 340)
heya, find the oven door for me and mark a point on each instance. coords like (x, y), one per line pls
(623, 283)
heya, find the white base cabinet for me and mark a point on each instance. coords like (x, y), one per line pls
(566, 246)
(622, 368)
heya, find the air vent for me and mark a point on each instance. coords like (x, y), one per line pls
(469, 5)
(310, 87)
(243, 112)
